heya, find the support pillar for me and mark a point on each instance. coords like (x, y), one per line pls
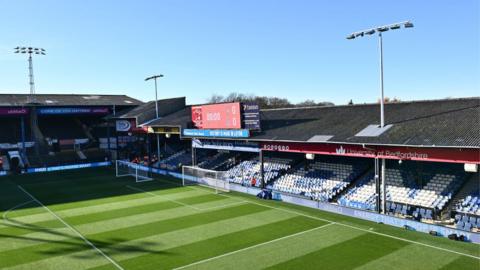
(377, 185)
(22, 130)
(384, 188)
(262, 173)
(194, 155)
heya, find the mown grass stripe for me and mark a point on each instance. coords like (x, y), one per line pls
(141, 231)
(159, 242)
(346, 255)
(197, 251)
(83, 219)
(106, 215)
(58, 248)
(264, 256)
(463, 263)
(17, 228)
(405, 258)
(78, 234)
(73, 261)
(111, 238)
(259, 245)
(17, 242)
(141, 219)
(120, 204)
(413, 237)
(127, 195)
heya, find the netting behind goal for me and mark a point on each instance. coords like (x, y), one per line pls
(210, 178)
(125, 168)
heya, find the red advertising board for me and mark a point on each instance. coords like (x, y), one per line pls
(452, 155)
(217, 116)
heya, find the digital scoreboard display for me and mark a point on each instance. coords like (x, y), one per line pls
(217, 116)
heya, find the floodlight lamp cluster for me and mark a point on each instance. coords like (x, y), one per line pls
(30, 50)
(380, 29)
(154, 77)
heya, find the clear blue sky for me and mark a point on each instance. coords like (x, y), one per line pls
(294, 49)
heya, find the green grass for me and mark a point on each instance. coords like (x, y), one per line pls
(161, 225)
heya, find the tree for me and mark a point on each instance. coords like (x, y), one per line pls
(263, 101)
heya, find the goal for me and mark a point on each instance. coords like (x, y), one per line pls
(125, 168)
(198, 176)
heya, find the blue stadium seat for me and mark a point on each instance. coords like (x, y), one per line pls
(460, 225)
(428, 214)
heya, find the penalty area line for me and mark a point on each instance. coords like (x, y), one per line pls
(254, 246)
(71, 228)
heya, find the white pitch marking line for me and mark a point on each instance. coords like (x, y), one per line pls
(188, 205)
(13, 208)
(254, 246)
(361, 229)
(156, 195)
(71, 228)
(224, 205)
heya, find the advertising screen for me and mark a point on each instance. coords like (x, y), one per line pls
(251, 116)
(217, 116)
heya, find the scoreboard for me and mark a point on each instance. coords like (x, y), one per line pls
(217, 116)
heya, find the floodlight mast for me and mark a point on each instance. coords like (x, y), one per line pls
(30, 51)
(155, 77)
(380, 30)
(371, 31)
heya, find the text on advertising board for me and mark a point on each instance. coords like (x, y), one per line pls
(219, 133)
(452, 155)
(251, 116)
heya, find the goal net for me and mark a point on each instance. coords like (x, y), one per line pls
(197, 176)
(125, 168)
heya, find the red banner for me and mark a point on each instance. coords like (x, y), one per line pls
(452, 155)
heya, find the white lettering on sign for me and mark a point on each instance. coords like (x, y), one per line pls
(275, 147)
(214, 116)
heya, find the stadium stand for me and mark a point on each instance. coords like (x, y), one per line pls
(421, 195)
(467, 215)
(249, 170)
(61, 128)
(218, 161)
(466, 209)
(58, 128)
(175, 161)
(322, 179)
(11, 131)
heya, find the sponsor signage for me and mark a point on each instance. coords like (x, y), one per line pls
(251, 116)
(13, 111)
(217, 116)
(72, 110)
(124, 125)
(452, 155)
(218, 133)
(69, 167)
(16, 145)
(226, 145)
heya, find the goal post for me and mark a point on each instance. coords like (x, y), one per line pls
(192, 175)
(125, 168)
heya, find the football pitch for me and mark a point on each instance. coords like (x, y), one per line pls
(89, 219)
